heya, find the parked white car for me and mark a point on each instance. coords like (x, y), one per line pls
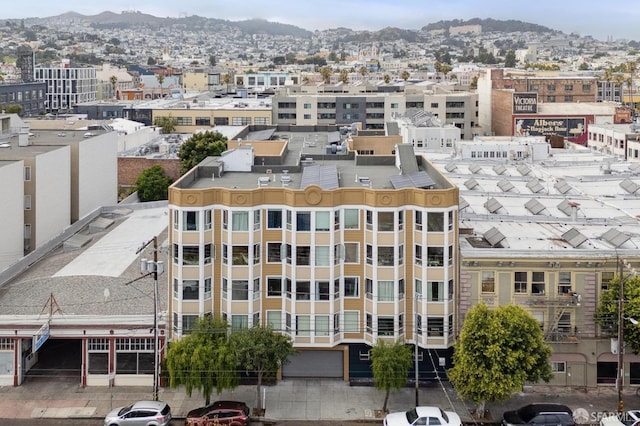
(423, 416)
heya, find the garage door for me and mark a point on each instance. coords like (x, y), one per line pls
(314, 364)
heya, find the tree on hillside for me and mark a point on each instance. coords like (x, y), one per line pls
(497, 353)
(607, 311)
(200, 146)
(390, 364)
(260, 350)
(153, 184)
(203, 360)
(167, 123)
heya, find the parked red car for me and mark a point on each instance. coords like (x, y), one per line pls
(232, 413)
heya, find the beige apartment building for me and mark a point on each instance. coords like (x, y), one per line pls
(336, 244)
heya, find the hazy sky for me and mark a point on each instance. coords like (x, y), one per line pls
(600, 19)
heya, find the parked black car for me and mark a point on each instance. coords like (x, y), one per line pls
(540, 414)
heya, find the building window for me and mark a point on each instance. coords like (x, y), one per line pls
(551, 87)
(351, 321)
(369, 323)
(520, 282)
(240, 221)
(568, 98)
(323, 256)
(386, 221)
(558, 366)
(385, 256)
(190, 255)
(256, 288)
(303, 290)
(568, 87)
(303, 325)
(225, 219)
(435, 222)
(322, 290)
(435, 327)
(322, 221)
(239, 322)
(274, 286)
(351, 254)
(190, 290)
(322, 325)
(274, 219)
(27, 173)
(385, 326)
(605, 280)
(435, 256)
(134, 356)
(207, 219)
(488, 282)
(303, 221)
(274, 320)
(435, 291)
(98, 356)
(256, 220)
(564, 283)
(188, 322)
(303, 255)
(369, 218)
(418, 220)
(537, 282)
(351, 219)
(240, 255)
(385, 291)
(418, 254)
(369, 254)
(239, 290)
(274, 254)
(27, 202)
(351, 287)
(207, 288)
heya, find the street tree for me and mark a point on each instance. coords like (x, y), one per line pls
(390, 364)
(160, 78)
(607, 310)
(153, 184)
(405, 75)
(203, 360)
(363, 71)
(510, 59)
(497, 353)
(261, 351)
(200, 146)
(167, 123)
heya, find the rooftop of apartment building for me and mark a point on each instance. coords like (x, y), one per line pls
(331, 160)
(92, 272)
(575, 201)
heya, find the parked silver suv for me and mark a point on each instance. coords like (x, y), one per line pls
(141, 413)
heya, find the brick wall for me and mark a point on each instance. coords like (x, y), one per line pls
(130, 168)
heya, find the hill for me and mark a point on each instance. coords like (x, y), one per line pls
(490, 25)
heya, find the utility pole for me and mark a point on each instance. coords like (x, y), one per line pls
(620, 379)
(153, 268)
(415, 344)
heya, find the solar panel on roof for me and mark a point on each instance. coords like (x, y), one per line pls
(523, 169)
(499, 169)
(574, 237)
(475, 168)
(562, 186)
(535, 186)
(505, 185)
(326, 177)
(463, 204)
(493, 205)
(493, 236)
(471, 183)
(634, 167)
(615, 237)
(534, 206)
(412, 180)
(450, 167)
(565, 207)
(630, 186)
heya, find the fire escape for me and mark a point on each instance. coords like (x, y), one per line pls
(561, 310)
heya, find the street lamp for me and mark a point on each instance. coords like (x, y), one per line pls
(154, 268)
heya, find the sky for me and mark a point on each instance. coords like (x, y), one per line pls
(618, 19)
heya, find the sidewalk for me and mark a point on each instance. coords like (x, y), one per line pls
(302, 399)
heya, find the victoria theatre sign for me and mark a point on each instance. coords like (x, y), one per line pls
(525, 103)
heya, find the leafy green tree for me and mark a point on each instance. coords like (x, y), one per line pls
(151, 61)
(114, 81)
(390, 364)
(200, 146)
(387, 78)
(203, 360)
(510, 59)
(262, 351)
(13, 109)
(583, 66)
(212, 60)
(153, 184)
(405, 75)
(363, 71)
(607, 311)
(333, 57)
(160, 78)
(498, 351)
(326, 72)
(344, 76)
(167, 123)
(474, 82)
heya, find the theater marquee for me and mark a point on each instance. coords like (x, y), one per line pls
(525, 103)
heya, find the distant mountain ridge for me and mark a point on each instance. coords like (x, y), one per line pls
(135, 19)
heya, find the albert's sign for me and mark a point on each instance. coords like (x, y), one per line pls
(525, 103)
